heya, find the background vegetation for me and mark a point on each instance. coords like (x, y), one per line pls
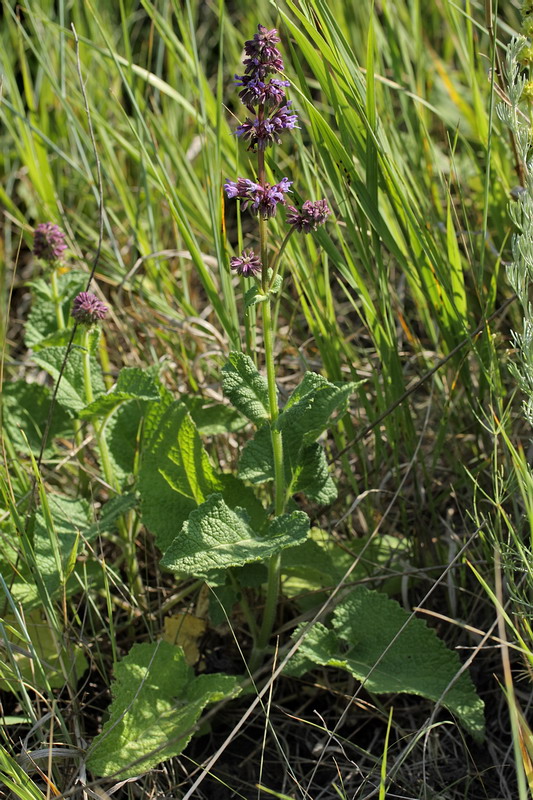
(400, 132)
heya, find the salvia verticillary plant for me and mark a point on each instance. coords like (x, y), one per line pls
(271, 117)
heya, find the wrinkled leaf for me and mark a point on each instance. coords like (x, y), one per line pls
(71, 392)
(176, 474)
(362, 641)
(26, 406)
(157, 701)
(245, 387)
(215, 537)
(133, 384)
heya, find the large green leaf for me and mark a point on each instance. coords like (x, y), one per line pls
(362, 641)
(157, 701)
(306, 415)
(176, 474)
(71, 393)
(133, 384)
(245, 387)
(215, 537)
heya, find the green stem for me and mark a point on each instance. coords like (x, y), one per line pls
(126, 532)
(77, 426)
(57, 300)
(276, 260)
(272, 594)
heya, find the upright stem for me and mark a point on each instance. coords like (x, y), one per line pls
(56, 299)
(126, 533)
(271, 601)
(60, 321)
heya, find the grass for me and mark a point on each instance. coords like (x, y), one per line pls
(399, 132)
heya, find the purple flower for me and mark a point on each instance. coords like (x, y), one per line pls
(87, 309)
(48, 241)
(263, 132)
(256, 92)
(247, 264)
(242, 189)
(263, 55)
(312, 214)
(262, 199)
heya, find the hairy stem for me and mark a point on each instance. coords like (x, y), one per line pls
(126, 532)
(57, 300)
(271, 602)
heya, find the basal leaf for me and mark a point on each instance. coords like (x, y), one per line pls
(157, 701)
(215, 537)
(246, 388)
(417, 662)
(71, 393)
(133, 384)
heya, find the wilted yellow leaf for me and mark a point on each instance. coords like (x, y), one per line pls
(185, 630)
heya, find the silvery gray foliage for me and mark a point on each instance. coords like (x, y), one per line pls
(520, 270)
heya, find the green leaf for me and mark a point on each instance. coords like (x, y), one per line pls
(54, 543)
(306, 415)
(71, 393)
(133, 384)
(246, 388)
(210, 419)
(417, 662)
(215, 537)
(308, 468)
(26, 406)
(253, 296)
(310, 408)
(122, 433)
(42, 324)
(157, 701)
(175, 475)
(311, 475)
(256, 463)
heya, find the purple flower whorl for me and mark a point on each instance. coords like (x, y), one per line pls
(87, 309)
(48, 242)
(312, 214)
(248, 264)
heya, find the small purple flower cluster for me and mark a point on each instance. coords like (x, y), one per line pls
(261, 199)
(312, 214)
(87, 309)
(264, 96)
(263, 57)
(48, 242)
(248, 264)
